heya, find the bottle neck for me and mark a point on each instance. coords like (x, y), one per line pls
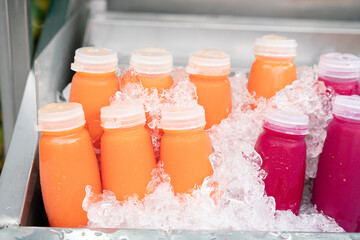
(337, 80)
(283, 134)
(87, 74)
(185, 131)
(208, 78)
(342, 119)
(274, 59)
(124, 129)
(154, 76)
(63, 133)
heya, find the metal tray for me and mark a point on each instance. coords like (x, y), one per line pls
(21, 210)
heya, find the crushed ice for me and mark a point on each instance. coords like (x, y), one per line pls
(233, 197)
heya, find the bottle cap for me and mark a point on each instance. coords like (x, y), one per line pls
(286, 122)
(174, 117)
(275, 46)
(122, 115)
(347, 107)
(339, 66)
(209, 62)
(57, 117)
(95, 60)
(152, 61)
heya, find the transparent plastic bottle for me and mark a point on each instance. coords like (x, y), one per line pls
(336, 186)
(153, 66)
(340, 72)
(67, 163)
(185, 146)
(127, 154)
(209, 70)
(93, 84)
(282, 148)
(273, 68)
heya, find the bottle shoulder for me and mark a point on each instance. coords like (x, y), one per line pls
(271, 134)
(70, 136)
(80, 77)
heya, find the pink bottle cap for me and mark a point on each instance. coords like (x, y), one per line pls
(175, 117)
(95, 60)
(339, 66)
(122, 115)
(209, 62)
(152, 61)
(275, 46)
(57, 117)
(286, 122)
(347, 107)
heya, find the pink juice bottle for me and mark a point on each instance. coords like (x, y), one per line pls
(283, 149)
(336, 186)
(340, 72)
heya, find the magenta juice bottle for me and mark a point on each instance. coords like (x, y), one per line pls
(340, 72)
(337, 183)
(283, 150)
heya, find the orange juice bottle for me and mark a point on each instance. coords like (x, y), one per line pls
(209, 70)
(127, 154)
(153, 66)
(185, 147)
(273, 68)
(93, 84)
(67, 163)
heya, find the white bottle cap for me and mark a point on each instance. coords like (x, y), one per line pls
(275, 46)
(175, 117)
(209, 62)
(286, 122)
(339, 66)
(57, 117)
(347, 107)
(152, 61)
(95, 60)
(122, 115)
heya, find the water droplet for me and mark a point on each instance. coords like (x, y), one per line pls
(98, 234)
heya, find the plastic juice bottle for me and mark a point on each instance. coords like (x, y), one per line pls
(153, 66)
(93, 84)
(185, 146)
(336, 186)
(340, 72)
(273, 68)
(127, 155)
(209, 70)
(67, 163)
(283, 150)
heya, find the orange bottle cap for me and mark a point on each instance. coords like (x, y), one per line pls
(152, 61)
(57, 117)
(209, 62)
(174, 117)
(122, 115)
(275, 46)
(95, 60)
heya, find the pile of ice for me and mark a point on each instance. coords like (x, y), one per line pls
(233, 197)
